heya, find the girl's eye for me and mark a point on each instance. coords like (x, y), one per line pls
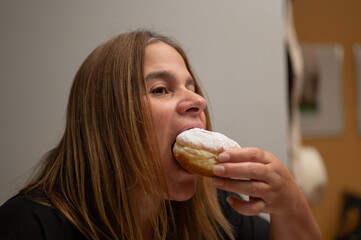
(159, 91)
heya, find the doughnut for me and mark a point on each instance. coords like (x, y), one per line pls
(197, 150)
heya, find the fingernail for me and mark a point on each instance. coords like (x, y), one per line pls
(218, 182)
(218, 169)
(230, 200)
(224, 157)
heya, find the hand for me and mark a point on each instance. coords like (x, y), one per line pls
(272, 189)
(259, 174)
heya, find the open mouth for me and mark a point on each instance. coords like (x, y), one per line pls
(173, 154)
(176, 159)
(172, 148)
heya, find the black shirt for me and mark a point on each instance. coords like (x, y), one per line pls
(21, 218)
(245, 227)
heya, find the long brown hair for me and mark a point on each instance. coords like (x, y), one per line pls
(107, 154)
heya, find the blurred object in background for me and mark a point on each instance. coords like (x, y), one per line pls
(350, 221)
(357, 60)
(309, 100)
(305, 163)
(313, 174)
(321, 102)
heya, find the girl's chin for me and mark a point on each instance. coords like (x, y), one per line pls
(182, 197)
(182, 192)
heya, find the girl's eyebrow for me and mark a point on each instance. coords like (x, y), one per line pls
(167, 76)
(160, 74)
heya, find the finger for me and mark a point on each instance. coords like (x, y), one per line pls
(245, 155)
(252, 207)
(248, 170)
(247, 187)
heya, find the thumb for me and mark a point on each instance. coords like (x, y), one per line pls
(252, 207)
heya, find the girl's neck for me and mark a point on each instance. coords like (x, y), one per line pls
(146, 206)
(147, 229)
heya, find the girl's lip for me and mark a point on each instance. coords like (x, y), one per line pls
(185, 170)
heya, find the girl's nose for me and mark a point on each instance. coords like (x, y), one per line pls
(191, 103)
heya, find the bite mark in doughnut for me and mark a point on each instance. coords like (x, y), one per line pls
(197, 150)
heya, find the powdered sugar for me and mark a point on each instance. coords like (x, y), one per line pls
(214, 141)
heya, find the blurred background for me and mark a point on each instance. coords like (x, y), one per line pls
(281, 75)
(337, 22)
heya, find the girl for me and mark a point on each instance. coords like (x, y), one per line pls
(113, 175)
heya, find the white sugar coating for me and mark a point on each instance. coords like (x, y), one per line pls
(214, 141)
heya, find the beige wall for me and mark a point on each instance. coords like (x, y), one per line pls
(325, 21)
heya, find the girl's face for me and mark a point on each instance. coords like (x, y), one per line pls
(175, 108)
